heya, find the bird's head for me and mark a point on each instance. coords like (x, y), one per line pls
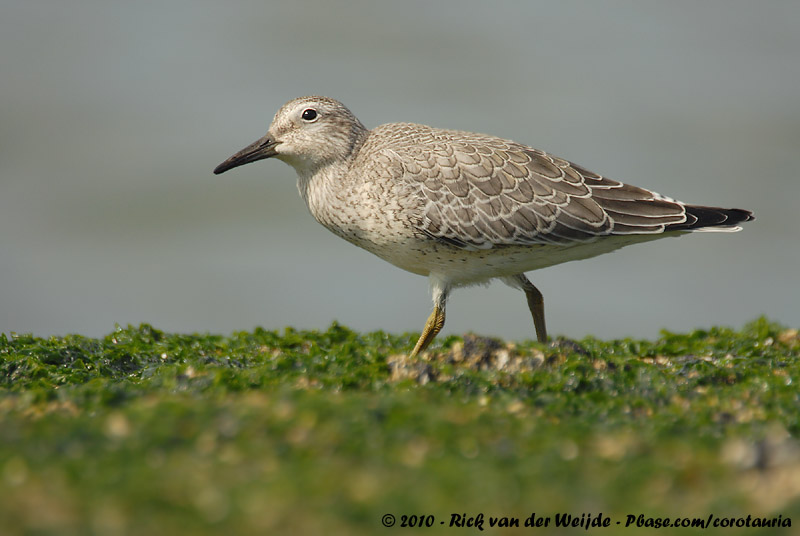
(306, 133)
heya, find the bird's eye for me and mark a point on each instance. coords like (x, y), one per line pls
(309, 114)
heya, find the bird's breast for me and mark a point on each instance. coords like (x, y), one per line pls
(361, 212)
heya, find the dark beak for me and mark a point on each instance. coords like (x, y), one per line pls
(258, 150)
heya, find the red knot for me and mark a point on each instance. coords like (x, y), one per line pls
(463, 208)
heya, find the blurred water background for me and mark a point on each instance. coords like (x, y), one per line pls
(113, 115)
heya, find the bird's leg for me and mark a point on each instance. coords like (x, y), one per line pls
(436, 321)
(432, 327)
(535, 303)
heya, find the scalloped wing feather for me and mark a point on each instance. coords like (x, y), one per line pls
(481, 191)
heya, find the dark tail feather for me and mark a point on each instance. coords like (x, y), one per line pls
(699, 217)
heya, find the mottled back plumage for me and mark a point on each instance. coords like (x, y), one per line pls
(481, 191)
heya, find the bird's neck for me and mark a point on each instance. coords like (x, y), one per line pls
(324, 183)
(329, 160)
(319, 186)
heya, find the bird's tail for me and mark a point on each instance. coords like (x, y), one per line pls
(700, 218)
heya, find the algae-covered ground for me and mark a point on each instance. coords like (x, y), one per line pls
(150, 433)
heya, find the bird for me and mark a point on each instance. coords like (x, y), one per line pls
(463, 208)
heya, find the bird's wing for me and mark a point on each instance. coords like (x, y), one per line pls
(479, 192)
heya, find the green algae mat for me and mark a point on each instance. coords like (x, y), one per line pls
(147, 433)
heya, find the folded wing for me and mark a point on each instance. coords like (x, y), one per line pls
(481, 192)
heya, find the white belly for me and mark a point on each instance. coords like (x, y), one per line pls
(462, 267)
